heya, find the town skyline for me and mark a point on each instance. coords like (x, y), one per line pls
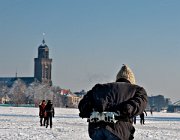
(89, 41)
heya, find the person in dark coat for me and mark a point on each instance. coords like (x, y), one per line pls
(49, 112)
(142, 117)
(42, 113)
(123, 98)
(151, 111)
(134, 119)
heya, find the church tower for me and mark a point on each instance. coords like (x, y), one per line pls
(42, 65)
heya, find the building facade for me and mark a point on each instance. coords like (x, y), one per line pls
(158, 103)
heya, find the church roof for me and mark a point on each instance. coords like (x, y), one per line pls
(10, 80)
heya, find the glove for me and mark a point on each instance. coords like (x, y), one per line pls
(84, 115)
(124, 109)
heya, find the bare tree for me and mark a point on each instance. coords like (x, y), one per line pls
(17, 92)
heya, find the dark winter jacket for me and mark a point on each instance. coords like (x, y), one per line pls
(49, 109)
(126, 99)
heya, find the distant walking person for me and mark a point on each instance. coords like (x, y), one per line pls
(142, 117)
(42, 113)
(49, 111)
(134, 119)
(151, 110)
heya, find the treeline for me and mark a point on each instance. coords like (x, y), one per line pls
(19, 93)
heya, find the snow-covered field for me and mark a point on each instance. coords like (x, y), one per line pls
(23, 124)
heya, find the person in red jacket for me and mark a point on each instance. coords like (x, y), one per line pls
(42, 113)
(110, 107)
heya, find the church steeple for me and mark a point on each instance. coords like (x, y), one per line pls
(16, 73)
(42, 71)
(43, 41)
(43, 50)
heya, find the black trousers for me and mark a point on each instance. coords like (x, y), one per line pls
(142, 120)
(49, 120)
(42, 121)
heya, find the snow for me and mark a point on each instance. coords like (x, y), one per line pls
(18, 123)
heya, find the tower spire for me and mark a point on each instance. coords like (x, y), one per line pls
(43, 38)
(16, 73)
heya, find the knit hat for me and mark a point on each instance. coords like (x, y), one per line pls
(126, 73)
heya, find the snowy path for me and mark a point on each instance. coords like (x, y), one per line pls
(23, 124)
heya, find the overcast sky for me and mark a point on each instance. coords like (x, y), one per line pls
(89, 40)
